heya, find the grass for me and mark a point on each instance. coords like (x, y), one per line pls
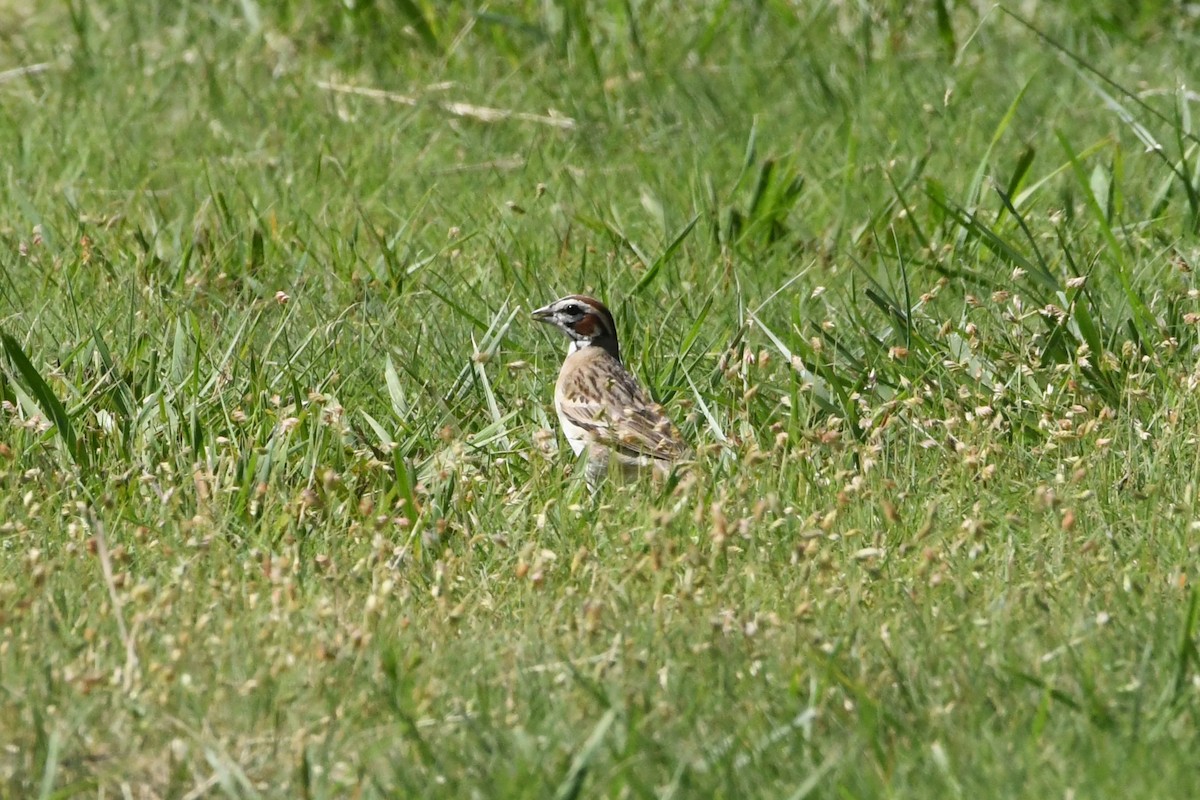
(279, 512)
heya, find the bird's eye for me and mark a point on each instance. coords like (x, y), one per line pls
(574, 310)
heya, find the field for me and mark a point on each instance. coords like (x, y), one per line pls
(284, 511)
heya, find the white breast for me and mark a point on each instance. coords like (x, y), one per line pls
(576, 436)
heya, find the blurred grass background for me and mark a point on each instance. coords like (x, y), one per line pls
(280, 507)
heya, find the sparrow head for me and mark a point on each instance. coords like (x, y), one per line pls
(584, 320)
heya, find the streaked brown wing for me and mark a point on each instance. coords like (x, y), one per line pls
(626, 420)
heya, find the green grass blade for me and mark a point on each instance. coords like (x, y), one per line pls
(986, 236)
(490, 398)
(50, 405)
(1142, 319)
(973, 190)
(652, 273)
(709, 417)
(572, 784)
(1189, 656)
(1041, 269)
(1092, 70)
(419, 22)
(945, 28)
(1020, 170)
(395, 390)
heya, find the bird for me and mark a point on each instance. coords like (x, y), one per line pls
(601, 407)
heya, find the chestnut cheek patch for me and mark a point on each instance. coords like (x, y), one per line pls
(586, 327)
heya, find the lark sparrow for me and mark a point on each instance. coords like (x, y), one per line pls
(600, 405)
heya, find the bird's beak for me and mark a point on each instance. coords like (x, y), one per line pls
(543, 314)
